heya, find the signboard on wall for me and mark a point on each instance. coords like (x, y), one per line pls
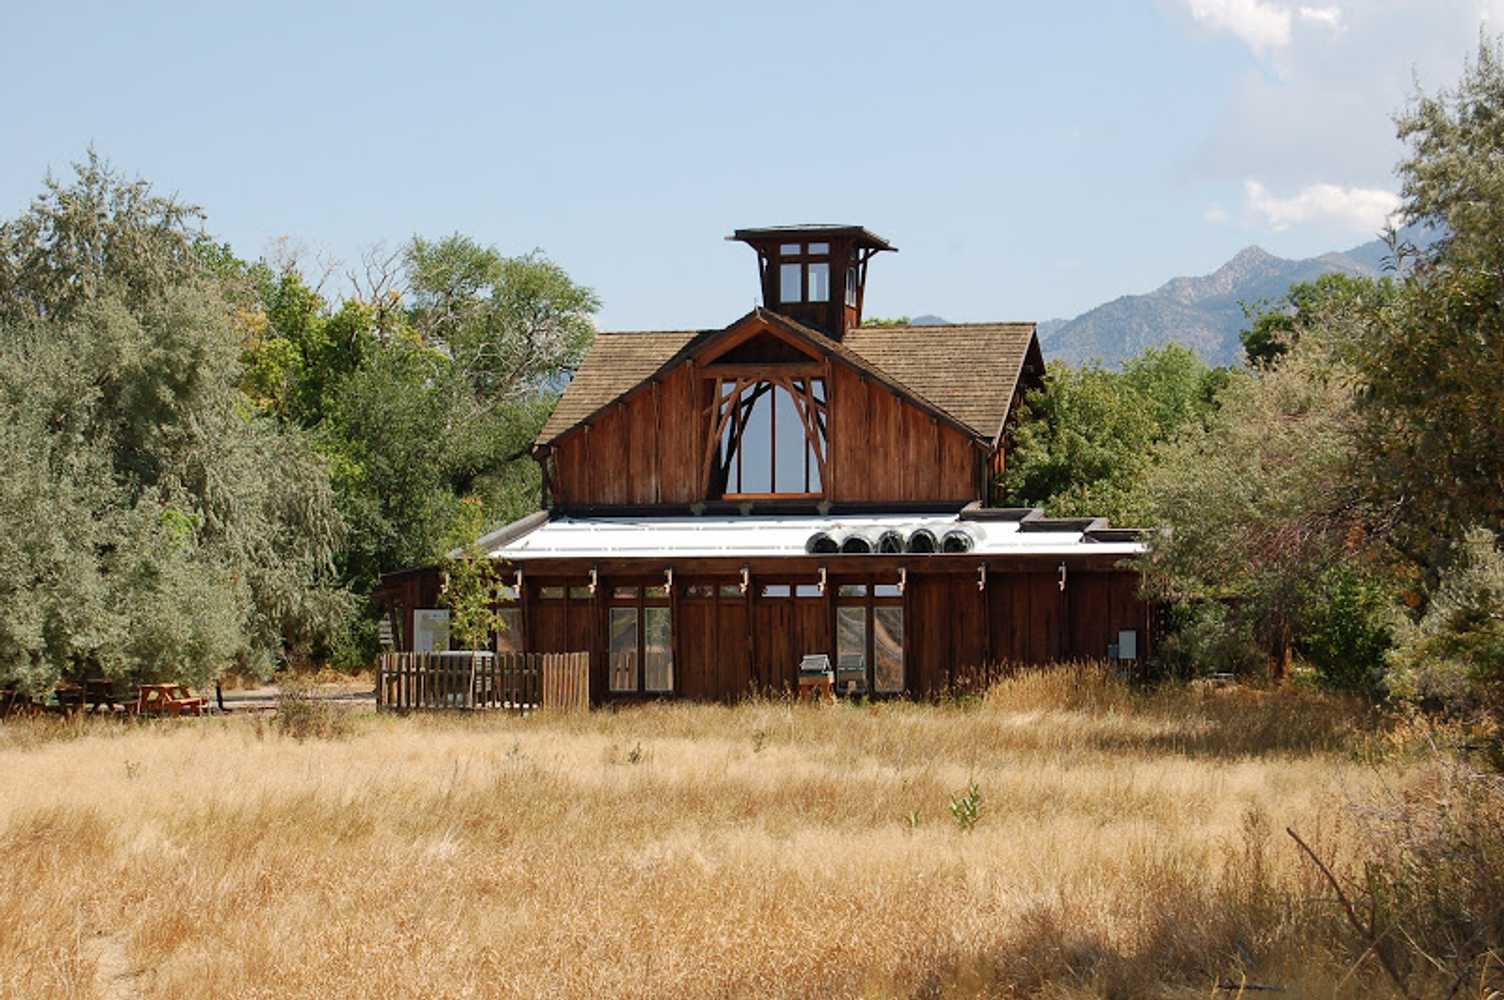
(430, 630)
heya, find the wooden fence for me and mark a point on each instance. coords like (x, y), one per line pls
(518, 682)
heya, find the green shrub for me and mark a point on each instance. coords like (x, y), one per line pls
(356, 648)
(1347, 629)
(1206, 637)
(1453, 659)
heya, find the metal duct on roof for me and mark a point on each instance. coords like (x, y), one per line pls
(890, 543)
(820, 542)
(957, 540)
(856, 544)
(922, 540)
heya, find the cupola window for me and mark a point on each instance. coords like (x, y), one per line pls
(819, 281)
(790, 283)
(804, 272)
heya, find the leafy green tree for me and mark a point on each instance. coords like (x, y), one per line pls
(1369, 440)
(1454, 656)
(513, 326)
(473, 583)
(1431, 366)
(1275, 328)
(1088, 437)
(1347, 622)
(392, 461)
(100, 237)
(212, 532)
(424, 390)
(1264, 498)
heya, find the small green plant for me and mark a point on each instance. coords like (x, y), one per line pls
(966, 807)
(913, 820)
(472, 590)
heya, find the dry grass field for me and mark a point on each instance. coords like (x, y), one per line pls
(1126, 846)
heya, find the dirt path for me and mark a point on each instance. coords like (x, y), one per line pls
(113, 976)
(265, 698)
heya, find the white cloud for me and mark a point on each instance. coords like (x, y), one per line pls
(1331, 17)
(1365, 210)
(1259, 24)
(1264, 25)
(1215, 214)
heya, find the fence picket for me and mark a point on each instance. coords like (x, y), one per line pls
(510, 681)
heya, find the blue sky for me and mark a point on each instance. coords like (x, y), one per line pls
(1029, 160)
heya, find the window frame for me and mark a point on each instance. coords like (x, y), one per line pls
(646, 595)
(811, 459)
(804, 259)
(870, 602)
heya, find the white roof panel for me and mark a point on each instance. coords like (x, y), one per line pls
(709, 536)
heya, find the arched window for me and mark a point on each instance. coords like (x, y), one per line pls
(771, 435)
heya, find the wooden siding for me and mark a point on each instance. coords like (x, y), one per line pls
(643, 450)
(648, 448)
(955, 635)
(786, 630)
(884, 449)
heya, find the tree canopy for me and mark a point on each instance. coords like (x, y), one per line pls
(182, 532)
(219, 460)
(1365, 442)
(1087, 438)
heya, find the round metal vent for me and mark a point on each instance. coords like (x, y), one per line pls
(956, 540)
(821, 542)
(890, 543)
(855, 544)
(922, 540)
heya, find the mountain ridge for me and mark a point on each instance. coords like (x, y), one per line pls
(1203, 312)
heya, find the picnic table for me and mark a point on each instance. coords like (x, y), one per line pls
(100, 692)
(16, 703)
(70, 698)
(167, 699)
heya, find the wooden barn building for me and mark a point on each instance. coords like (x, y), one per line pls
(720, 504)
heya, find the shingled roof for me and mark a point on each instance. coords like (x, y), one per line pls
(969, 370)
(966, 371)
(615, 363)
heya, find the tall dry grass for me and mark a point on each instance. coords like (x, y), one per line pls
(1128, 845)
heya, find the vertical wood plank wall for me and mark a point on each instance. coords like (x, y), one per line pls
(729, 644)
(647, 449)
(644, 450)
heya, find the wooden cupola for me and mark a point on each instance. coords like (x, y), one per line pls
(803, 270)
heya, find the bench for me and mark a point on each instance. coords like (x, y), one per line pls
(168, 699)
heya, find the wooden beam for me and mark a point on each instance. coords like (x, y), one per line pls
(658, 443)
(752, 325)
(726, 406)
(764, 370)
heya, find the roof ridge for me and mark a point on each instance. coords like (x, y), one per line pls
(946, 326)
(638, 333)
(842, 349)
